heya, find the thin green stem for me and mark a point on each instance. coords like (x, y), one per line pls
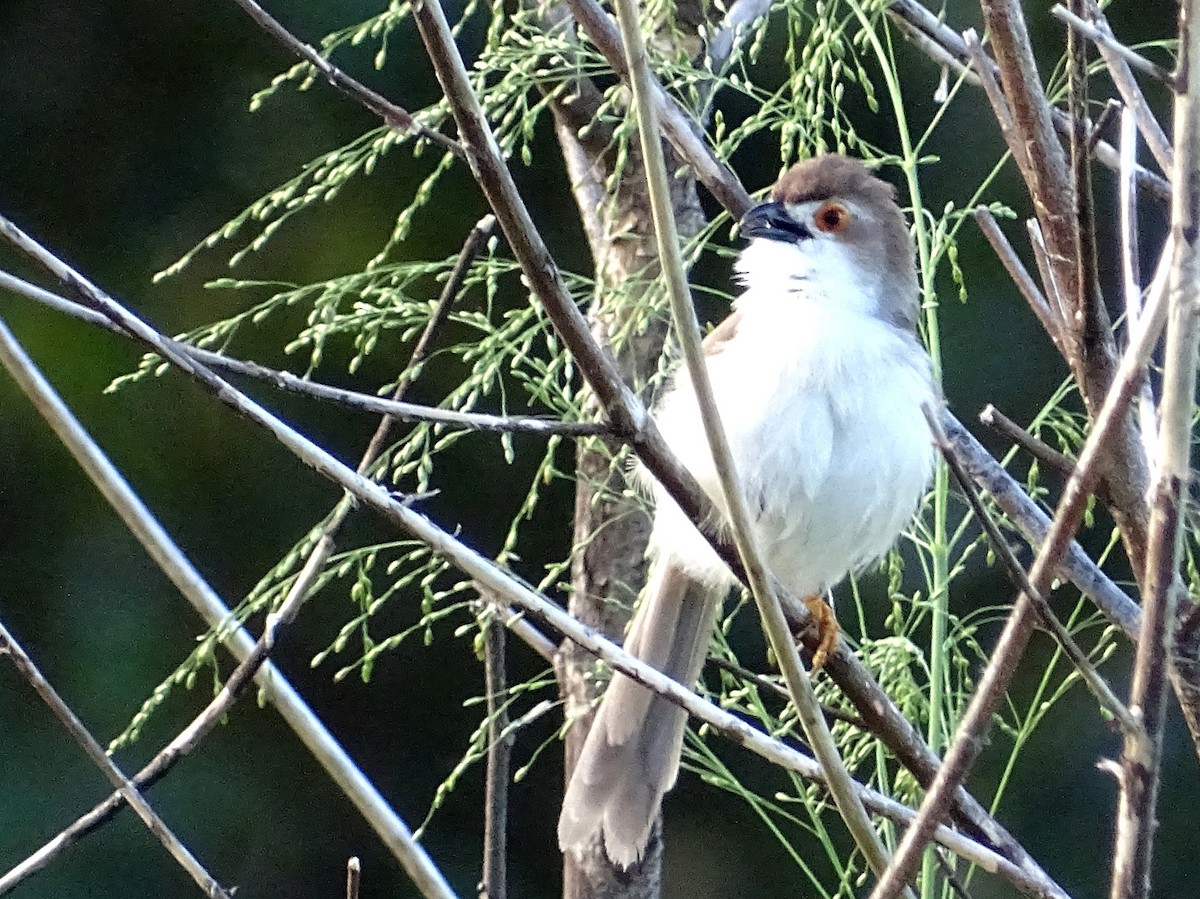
(939, 550)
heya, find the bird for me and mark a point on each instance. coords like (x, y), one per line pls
(820, 380)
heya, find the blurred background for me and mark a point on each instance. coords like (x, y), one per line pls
(125, 138)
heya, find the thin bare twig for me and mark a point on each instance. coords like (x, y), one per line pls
(952, 878)
(220, 705)
(493, 884)
(1131, 264)
(1100, 34)
(1039, 449)
(1094, 356)
(395, 409)
(769, 686)
(677, 127)
(1118, 59)
(80, 734)
(351, 399)
(739, 18)
(1020, 872)
(930, 32)
(985, 72)
(1049, 316)
(1111, 108)
(393, 116)
(392, 831)
(1141, 757)
(1002, 665)
(1041, 256)
(1034, 524)
(1012, 568)
(1131, 274)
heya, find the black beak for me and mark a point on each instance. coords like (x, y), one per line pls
(771, 220)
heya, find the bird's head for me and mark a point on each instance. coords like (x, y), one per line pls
(833, 231)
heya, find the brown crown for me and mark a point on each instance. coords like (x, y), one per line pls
(832, 176)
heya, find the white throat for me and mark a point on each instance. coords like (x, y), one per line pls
(819, 270)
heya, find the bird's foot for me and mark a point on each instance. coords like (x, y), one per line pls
(828, 630)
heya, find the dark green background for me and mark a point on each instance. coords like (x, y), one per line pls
(124, 139)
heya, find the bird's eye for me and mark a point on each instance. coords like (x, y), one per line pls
(832, 218)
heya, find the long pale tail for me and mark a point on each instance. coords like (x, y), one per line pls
(631, 755)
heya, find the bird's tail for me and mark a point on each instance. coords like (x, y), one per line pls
(631, 755)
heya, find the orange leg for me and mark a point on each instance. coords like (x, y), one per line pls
(828, 629)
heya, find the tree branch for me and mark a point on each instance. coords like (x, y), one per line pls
(1118, 58)
(677, 127)
(393, 116)
(484, 571)
(493, 881)
(1040, 450)
(1142, 755)
(951, 51)
(1012, 568)
(276, 688)
(1048, 315)
(1034, 525)
(1002, 665)
(1100, 34)
(80, 734)
(393, 408)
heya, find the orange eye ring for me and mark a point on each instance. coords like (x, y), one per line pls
(832, 218)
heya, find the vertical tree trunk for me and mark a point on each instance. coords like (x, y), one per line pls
(610, 532)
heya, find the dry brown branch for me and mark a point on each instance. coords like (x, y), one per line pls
(392, 408)
(972, 729)
(392, 831)
(248, 667)
(1118, 58)
(1049, 317)
(1097, 30)
(1060, 191)
(493, 882)
(1142, 754)
(1034, 524)
(1040, 450)
(678, 129)
(1012, 568)
(930, 32)
(80, 734)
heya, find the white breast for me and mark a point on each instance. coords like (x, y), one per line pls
(821, 402)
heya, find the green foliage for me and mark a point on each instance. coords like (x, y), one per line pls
(921, 650)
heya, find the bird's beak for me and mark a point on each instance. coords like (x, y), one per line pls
(772, 221)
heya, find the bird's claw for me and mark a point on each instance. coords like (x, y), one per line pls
(828, 630)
